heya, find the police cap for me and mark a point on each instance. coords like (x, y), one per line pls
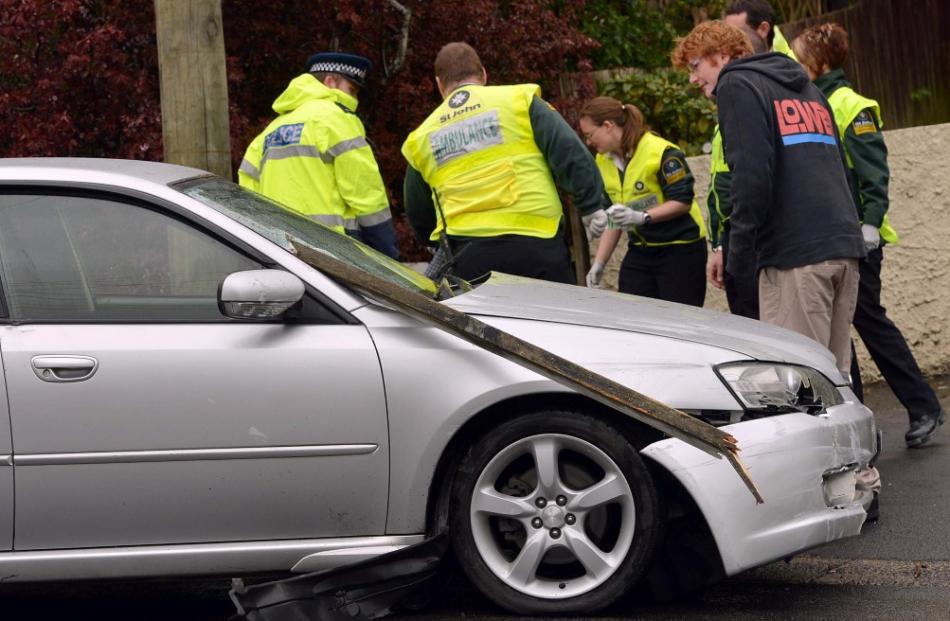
(351, 66)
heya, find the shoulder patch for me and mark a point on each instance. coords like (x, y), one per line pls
(864, 123)
(673, 169)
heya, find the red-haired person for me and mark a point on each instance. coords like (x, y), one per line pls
(822, 50)
(651, 188)
(793, 218)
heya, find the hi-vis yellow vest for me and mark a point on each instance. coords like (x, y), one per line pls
(477, 153)
(314, 159)
(846, 105)
(641, 190)
(717, 165)
(780, 44)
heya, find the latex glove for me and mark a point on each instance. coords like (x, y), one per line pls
(872, 237)
(595, 223)
(624, 217)
(595, 274)
(714, 269)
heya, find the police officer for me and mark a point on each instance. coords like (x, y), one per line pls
(822, 50)
(314, 157)
(482, 170)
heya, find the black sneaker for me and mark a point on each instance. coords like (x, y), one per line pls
(922, 428)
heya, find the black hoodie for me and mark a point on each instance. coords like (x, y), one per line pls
(791, 202)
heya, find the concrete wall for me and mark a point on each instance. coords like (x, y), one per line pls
(916, 273)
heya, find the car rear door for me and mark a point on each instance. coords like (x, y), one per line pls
(141, 415)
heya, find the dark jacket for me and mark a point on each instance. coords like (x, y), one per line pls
(791, 201)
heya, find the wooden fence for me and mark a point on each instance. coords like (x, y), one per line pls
(900, 56)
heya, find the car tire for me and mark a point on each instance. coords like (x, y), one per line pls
(572, 536)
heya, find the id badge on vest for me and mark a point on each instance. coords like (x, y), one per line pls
(642, 204)
(467, 136)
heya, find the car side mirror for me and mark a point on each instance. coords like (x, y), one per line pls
(259, 294)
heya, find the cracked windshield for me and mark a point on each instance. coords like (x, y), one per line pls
(276, 223)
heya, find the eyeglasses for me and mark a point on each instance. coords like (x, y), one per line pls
(590, 134)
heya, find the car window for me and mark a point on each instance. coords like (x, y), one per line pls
(77, 258)
(275, 222)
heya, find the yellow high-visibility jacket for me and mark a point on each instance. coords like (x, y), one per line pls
(314, 158)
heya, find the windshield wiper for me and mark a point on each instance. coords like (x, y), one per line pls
(450, 286)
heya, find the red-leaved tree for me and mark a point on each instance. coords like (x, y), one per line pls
(80, 77)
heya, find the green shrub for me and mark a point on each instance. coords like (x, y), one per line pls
(631, 33)
(641, 33)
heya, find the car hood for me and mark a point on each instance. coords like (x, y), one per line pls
(503, 295)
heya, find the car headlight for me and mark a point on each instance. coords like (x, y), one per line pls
(773, 388)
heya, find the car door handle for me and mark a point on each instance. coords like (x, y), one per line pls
(64, 368)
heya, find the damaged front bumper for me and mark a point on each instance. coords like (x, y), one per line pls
(804, 465)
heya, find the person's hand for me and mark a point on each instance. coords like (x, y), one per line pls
(714, 269)
(595, 274)
(624, 217)
(872, 237)
(595, 223)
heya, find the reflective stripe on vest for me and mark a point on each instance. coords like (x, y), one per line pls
(330, 220)
(846, 105)
(250, 170)
(477, 153)
(641, 190)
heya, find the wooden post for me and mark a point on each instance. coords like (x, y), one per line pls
(580, 249)
(194, 87)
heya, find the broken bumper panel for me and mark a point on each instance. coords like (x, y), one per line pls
(399, 581)
(803, 464)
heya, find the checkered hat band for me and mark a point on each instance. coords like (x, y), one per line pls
(337, 68)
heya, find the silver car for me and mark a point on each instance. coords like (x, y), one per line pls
(184, 396)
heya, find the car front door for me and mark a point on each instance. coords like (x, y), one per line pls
(141, 415)
(6, 472)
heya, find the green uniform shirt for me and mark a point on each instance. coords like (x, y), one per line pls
(864, 143)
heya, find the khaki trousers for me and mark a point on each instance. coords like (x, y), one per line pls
(816, 300)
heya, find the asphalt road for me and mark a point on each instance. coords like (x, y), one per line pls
(898, 569)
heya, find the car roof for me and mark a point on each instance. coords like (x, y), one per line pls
(88, 169)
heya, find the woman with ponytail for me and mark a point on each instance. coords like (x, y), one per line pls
(651, 186)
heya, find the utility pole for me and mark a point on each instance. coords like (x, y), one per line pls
(194, 87)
